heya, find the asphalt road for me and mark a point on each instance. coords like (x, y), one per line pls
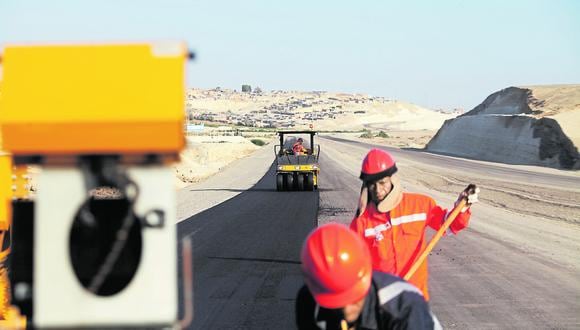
(247, 257)
(247, 272)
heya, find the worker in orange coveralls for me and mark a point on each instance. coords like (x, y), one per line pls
(393, 222)
(298, 148)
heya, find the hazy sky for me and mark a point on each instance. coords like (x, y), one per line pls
(433, 53)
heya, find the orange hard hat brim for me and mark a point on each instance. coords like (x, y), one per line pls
(350, 296)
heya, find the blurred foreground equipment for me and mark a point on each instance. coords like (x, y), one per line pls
(14, 183)
(97, 246)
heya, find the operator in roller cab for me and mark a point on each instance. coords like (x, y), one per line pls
(392, 223)
(298, 147)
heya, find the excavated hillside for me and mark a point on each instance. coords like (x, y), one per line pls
(536, 125)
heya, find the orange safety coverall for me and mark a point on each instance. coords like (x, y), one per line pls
(397, 238)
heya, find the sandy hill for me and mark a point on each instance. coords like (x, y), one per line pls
(534, 125)
(324, 110)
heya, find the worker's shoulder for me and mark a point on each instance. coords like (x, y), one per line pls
(416, 198)
(390, 286)
(382, 279)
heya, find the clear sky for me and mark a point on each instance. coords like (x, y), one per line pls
(444, 53)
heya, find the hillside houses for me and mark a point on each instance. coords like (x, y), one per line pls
(274, 109)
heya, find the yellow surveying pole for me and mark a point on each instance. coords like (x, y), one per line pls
(435, 239)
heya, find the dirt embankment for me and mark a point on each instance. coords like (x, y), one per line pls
(206, 155)
(528, 126)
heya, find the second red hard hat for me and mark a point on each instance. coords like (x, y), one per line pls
(337, 266)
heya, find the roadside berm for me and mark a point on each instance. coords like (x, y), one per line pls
(538, 125)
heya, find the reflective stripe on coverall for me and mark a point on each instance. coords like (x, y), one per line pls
(396, 238)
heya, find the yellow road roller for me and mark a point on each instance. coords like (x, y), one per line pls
(297, 157)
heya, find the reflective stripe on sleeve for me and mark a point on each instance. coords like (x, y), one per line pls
(389, 292)
(436, 324)
(321, 324)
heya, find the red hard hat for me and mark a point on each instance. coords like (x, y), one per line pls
(336, 265)
(377, 165)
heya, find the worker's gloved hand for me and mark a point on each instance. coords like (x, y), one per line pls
(471, 194)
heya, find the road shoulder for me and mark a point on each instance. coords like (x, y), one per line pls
(237, 177)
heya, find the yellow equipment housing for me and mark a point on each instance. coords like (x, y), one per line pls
(93, 99)
(5, 190)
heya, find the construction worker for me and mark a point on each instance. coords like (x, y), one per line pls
(298, 148)
(393, 223)
(343, 292)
